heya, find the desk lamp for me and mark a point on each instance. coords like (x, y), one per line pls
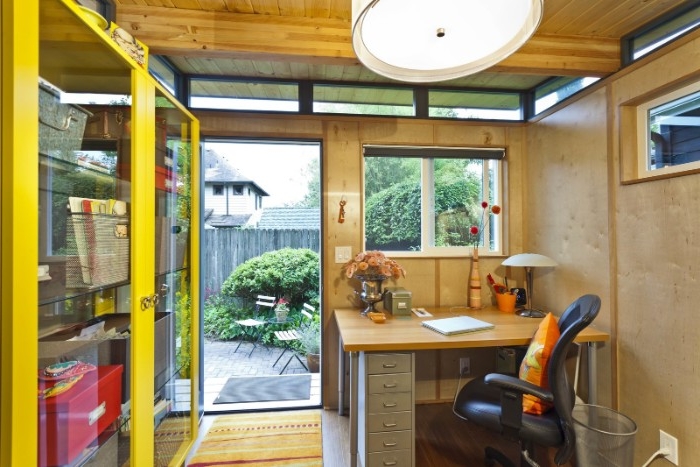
(529, 261)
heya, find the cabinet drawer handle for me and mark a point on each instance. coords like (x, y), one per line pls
(389, 385)
(389, 365)
(390, 462)
(389, 425)
(389, 405)
(390, 445)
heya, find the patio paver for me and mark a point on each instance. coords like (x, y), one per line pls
(221, 363)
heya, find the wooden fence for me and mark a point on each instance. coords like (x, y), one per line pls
(222, 250)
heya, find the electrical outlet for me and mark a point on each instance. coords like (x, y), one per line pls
(669, 442)
(464, 366)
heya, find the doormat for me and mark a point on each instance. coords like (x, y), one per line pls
(265, 388)
(262, 439)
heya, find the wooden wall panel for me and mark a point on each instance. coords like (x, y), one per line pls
(636, 245)
(567, 214)
(658, 249)
(432, 281)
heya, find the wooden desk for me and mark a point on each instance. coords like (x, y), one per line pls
(359, 334)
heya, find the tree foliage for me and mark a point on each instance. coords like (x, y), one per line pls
(392, 218)
(312, 198)
(392, 215)
(383, 172)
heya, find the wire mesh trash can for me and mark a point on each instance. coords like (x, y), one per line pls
(604, 437)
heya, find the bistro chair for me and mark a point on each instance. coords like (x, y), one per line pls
(252, 327)
(289, 336)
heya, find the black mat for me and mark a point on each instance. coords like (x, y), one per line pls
(265, 388)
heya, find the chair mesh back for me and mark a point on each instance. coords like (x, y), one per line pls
(576, 318)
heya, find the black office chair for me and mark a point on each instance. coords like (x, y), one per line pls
(496, 401)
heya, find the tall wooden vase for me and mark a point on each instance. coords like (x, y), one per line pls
(475, 282)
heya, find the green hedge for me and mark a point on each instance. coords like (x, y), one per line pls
(292, 273)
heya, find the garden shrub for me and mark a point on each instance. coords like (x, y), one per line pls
(292, 273)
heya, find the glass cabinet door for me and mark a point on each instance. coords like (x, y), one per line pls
(173, 279)
(85, 240)
(95, 145)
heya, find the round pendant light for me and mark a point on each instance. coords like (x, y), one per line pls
(438, 40)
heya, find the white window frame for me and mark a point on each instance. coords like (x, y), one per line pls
(644, 135)
(428, 248)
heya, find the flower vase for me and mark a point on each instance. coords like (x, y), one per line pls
(371, 292)
(475, 282)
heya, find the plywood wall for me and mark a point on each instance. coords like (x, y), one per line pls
(432, 281)
(638, 246)
(567, 206)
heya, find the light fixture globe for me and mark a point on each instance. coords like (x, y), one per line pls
(423, 41)
(529, 261)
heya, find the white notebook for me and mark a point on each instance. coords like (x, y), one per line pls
(457, 325)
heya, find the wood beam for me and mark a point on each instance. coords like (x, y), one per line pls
(216, 34)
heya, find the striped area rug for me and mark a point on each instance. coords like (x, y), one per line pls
(266, 439)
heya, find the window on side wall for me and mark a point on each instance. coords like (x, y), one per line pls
(422, 201)
(667, 128)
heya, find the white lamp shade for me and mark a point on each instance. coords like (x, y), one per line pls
(529, 260)
(437, 40)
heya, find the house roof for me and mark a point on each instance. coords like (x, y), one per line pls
(290, 218)
(218, 169)
(236, 220)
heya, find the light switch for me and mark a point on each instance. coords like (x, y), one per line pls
(342, 254)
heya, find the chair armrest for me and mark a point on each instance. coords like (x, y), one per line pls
(513, 383)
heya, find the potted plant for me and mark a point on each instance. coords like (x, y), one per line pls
(310, 339)
(282, 310)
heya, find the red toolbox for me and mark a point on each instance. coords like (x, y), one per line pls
(71, 421)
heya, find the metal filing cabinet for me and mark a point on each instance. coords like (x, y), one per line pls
(386, 415)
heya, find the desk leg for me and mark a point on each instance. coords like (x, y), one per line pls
(341, 378)
(354, 394)
(592, 373)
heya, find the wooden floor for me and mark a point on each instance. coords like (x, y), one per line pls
(442, 439)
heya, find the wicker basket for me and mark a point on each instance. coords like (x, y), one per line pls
(97, 250)
(61, 126)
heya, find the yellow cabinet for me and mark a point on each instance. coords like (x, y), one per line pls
(106, 192)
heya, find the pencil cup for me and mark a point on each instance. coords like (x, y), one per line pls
(506, 302)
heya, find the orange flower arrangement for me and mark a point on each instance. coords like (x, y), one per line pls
(373, 264)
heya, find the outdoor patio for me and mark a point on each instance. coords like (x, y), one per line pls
(221, 362)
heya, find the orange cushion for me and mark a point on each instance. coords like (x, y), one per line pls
(534, 366)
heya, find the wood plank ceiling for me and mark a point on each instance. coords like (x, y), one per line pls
(311, 39)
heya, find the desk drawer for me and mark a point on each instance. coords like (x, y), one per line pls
(377, 423)
(388, 363)
(400, 382)
(389, 402)
(390, 459)
(389, 441)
